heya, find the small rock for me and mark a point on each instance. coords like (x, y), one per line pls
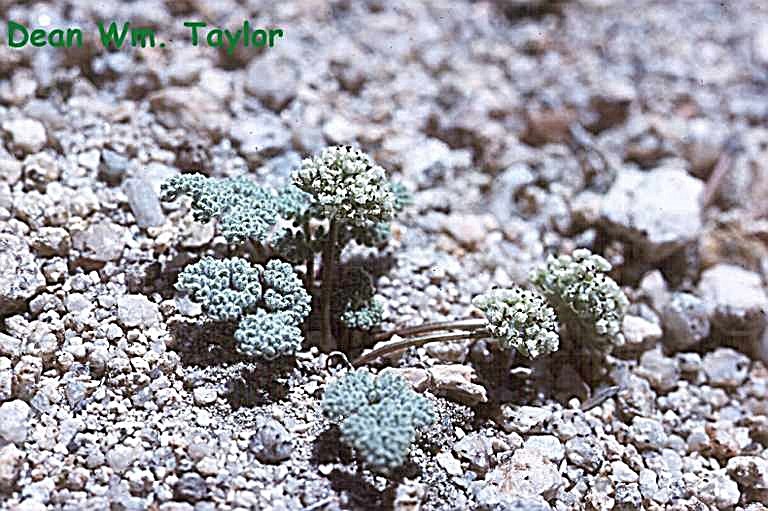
(639, 333)
(338, 130)
(20, 278)
(491, 498)
(137, 310)
(11, 459)
(718, 489)
(660, 371)
(409, 496)
(27, 135)
(749, 471)
(205, 396)
(448, 351)
(454, 381)
(647, 433)
(14, 421)
(628, 497)
(686, 321)
(75, 392)
(548, 445)
(260, 137)
(120, 457)
(522, 419)
(449, 463)
(113, 166)
(585, 452)
(144, 203)
(100, 242)
(658, 210)
(469, 230)
(726, 367)
(739, 303)
(418, 378)
(10, 346)
(622, 473)
(51, 241)
(271, 443)
(190, 487)
(476, 449)
(274, 80)
(527, 474)
(10, 170)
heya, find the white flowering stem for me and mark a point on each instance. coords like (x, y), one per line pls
(419, 341)
(329, 269)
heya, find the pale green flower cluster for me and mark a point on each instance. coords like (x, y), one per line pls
(520, 319)
(589, 302)
(348, 186)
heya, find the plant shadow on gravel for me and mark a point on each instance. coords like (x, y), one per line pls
(205, 344)
(328, 448)
(210, 346)
(257, 386)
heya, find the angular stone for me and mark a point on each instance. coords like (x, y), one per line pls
(274, 81)
(476, 449)
(113, 166)
(144, 203)
(450, 464)
(204, 396)
(522, 419)
(659, 210)
(190, 487)
(739, 303)
(20, 278)
(14, 421)
(271, 443)
(726, 367)
(51, 241)
(27, 135)
(639, 334)
(137, 310)
(749, 471)
(11, 459)
(647, 434)
(454, 381)
(660, 371)
(686, 321)
(120, 457)
(527, 474)
(548, 445)
(260, 136)
(585, 452)
(717, 489)
(100, 242)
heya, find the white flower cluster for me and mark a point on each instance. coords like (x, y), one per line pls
(590, 303)
(520, 319)
(346, 185)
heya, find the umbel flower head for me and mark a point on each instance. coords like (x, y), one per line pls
(379, 416)
(520, 319)
(589, 302)
(346, 185)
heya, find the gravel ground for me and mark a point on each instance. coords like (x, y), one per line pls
(635, 128)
